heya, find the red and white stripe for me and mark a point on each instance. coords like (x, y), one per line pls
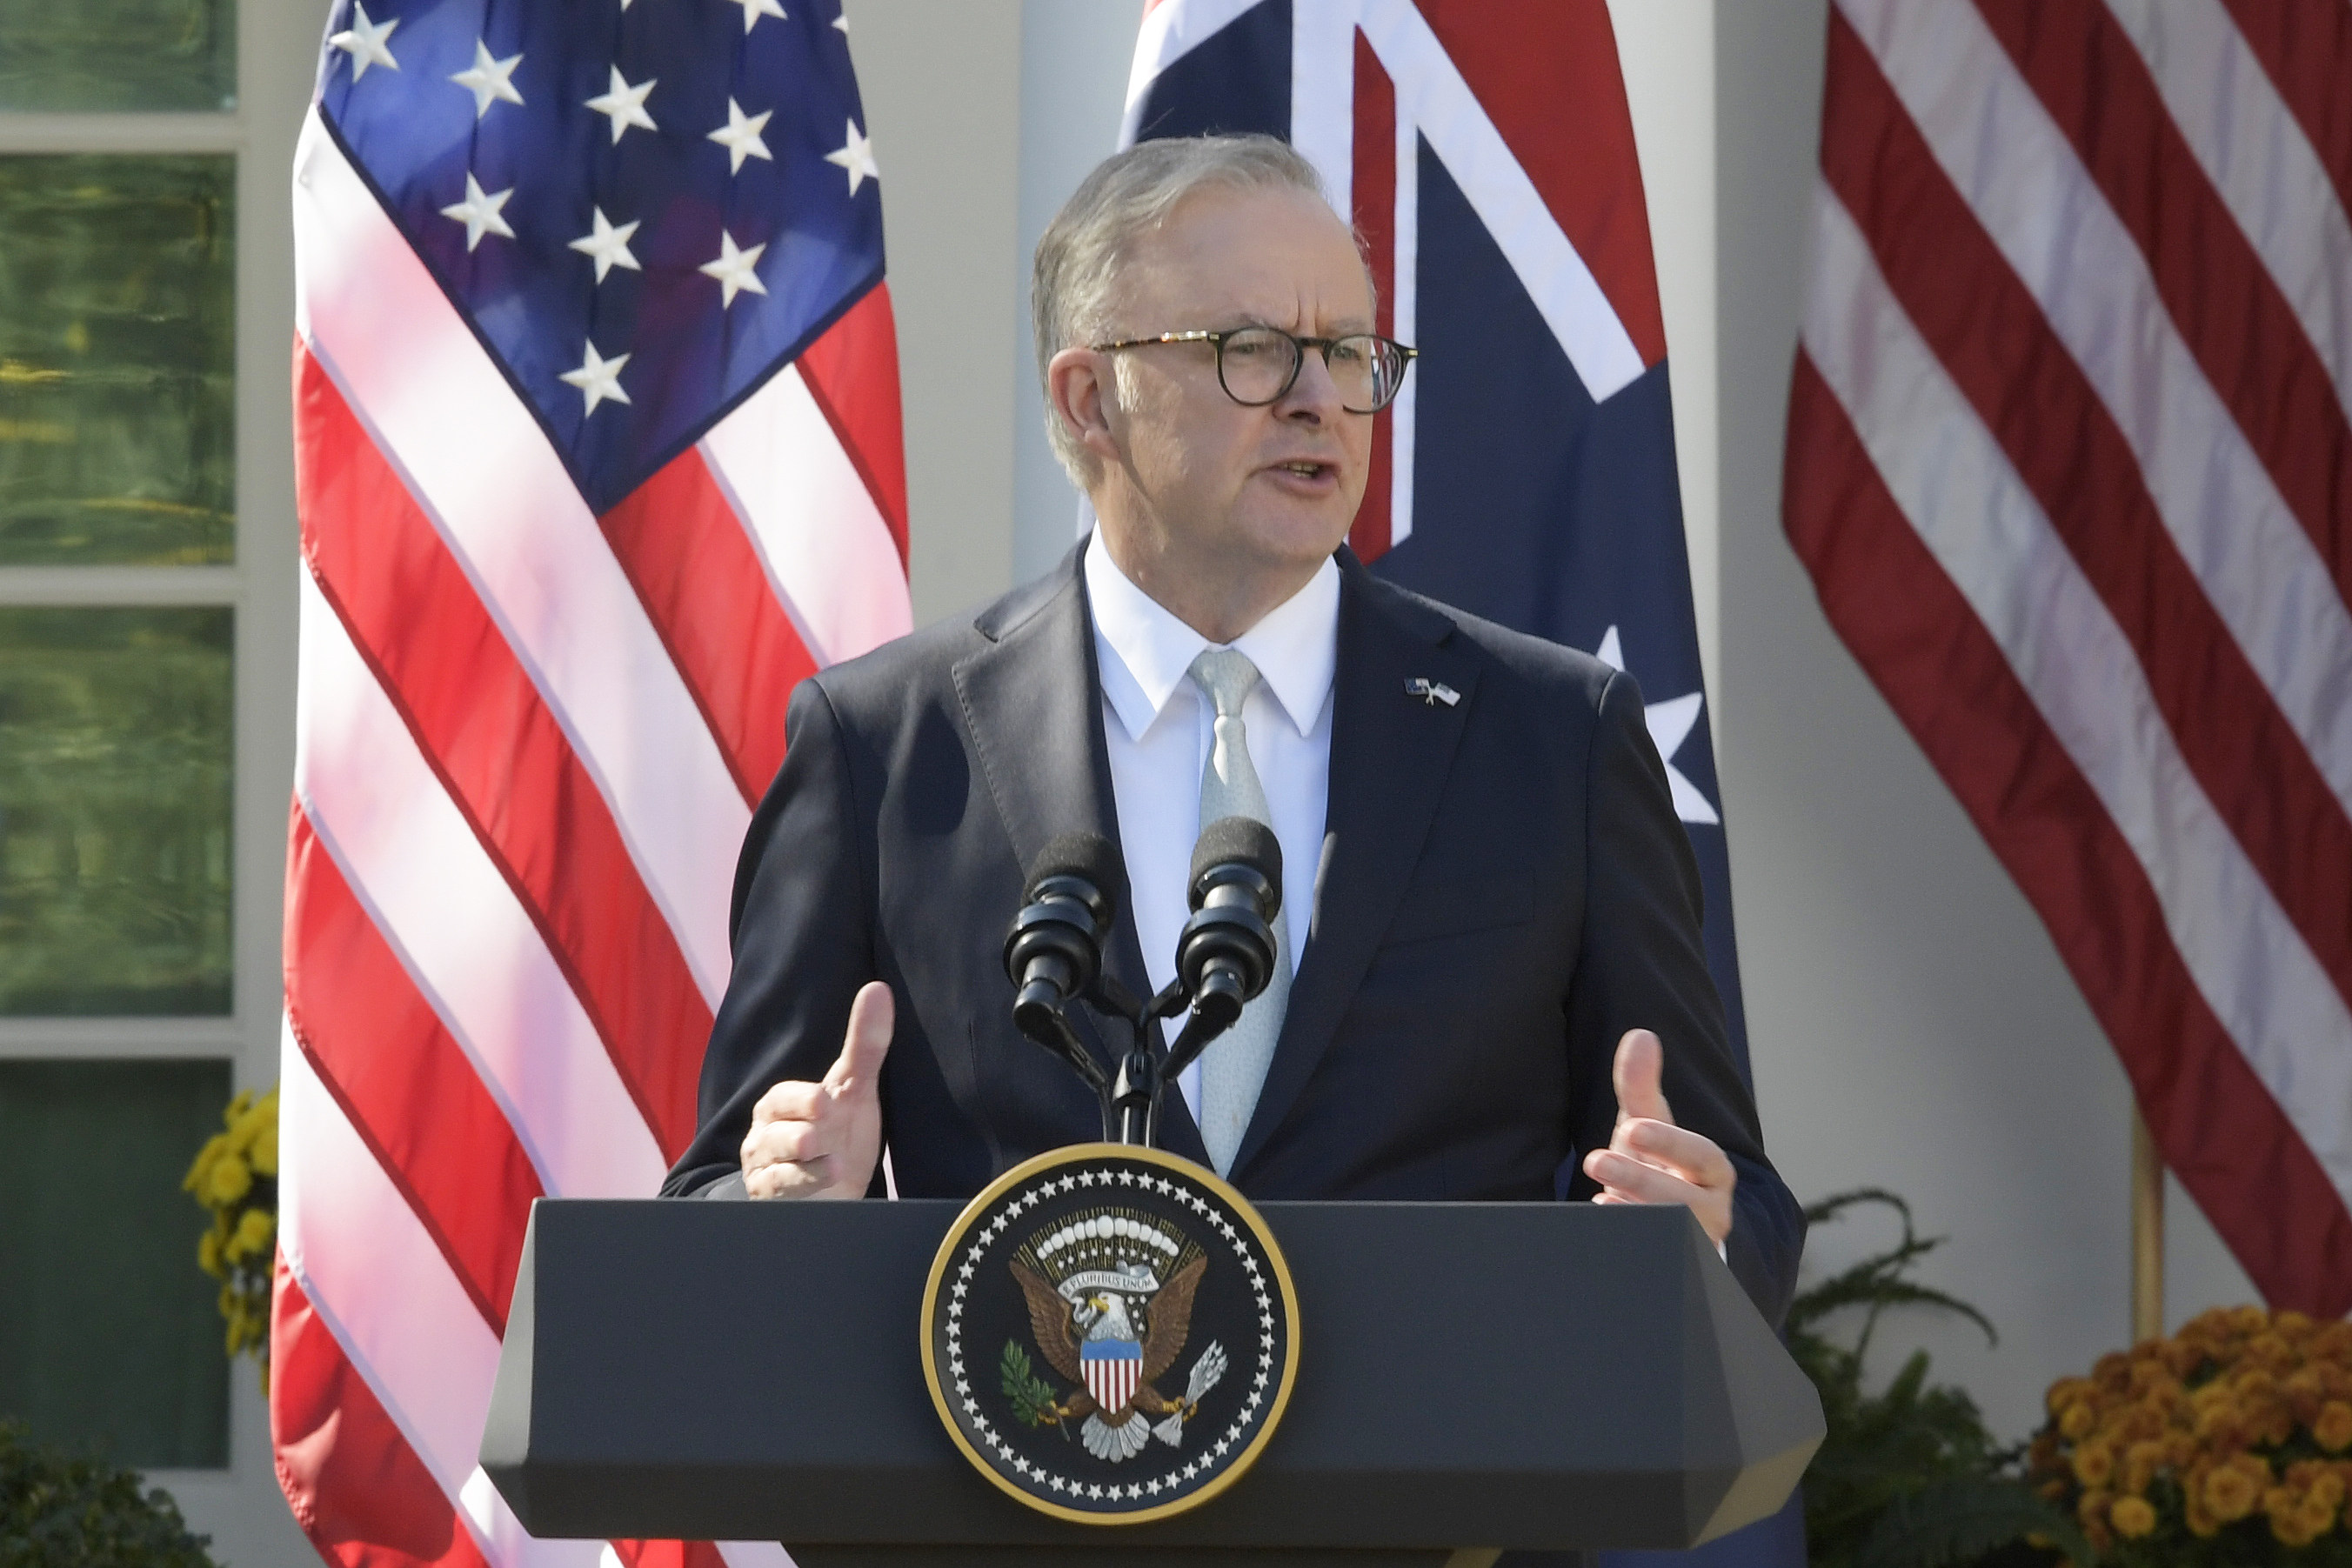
(1523, 103)
(2069, 459)
(530, 739)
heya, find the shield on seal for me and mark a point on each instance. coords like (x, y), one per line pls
(1111, 1367)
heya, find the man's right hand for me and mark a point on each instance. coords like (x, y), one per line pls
(821, 1140)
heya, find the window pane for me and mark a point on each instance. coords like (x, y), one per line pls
(110, 1334)
(95, 55)
(118, 429)
(115, 742)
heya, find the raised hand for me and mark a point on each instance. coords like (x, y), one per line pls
(1651, 1160)
(821, 1140)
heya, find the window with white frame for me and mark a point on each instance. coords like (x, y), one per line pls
(147, 587)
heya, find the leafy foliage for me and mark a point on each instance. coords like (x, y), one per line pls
(1033, 1398)
(60, 1511)
(1908, 1477)
(1963, 1520)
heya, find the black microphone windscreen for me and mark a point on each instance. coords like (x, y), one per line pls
(1243, 839)
(1088, 855)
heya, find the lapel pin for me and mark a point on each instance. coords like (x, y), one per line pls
(1432, 691)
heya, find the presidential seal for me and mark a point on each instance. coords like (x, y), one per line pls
(1109, 1333)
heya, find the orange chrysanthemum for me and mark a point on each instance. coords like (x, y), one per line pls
(2333, 1429)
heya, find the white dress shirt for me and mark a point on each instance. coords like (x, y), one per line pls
(1158, 726)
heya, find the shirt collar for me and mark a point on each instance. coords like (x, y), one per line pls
(1145, 652)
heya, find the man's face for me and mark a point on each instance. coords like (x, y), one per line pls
(1275, 486)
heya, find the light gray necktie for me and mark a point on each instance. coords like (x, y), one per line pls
(1232, 1069)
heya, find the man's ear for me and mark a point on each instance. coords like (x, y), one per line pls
(1074, 386)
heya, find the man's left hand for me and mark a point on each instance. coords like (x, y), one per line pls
(1651, 1160)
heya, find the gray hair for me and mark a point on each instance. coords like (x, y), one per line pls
(1130, 194)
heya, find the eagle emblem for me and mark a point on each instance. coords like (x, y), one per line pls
(1109, 1293)
(1109, 1333)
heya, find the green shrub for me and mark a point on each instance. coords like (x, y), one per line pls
(1908, 1477)
(57, 1511)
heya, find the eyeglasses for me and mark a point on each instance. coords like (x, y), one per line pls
(1257, 365)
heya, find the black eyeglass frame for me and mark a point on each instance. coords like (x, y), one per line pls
(1300, 345)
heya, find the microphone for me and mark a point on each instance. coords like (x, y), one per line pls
(1053, 951)
(1226, 953)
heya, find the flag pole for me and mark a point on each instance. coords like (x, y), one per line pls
(2146, 1232)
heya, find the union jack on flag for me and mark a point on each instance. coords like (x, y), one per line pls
(598, 453)
(1525, 473)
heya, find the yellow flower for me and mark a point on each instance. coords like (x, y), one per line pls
(264, 1152)
(214, 1147)
(230, 1179)
(2141, 1462)
(2094, 1465)
(2091, 1512)
(2247, 1320)
(208, 1253)
(2292, 1521)
(2221, 1423)
(2132, 1516)
(2201, 1519)
(2229, 1493)
(2333, 1431)
(255, 1231)
(2077, 1420)
(2065, 1391)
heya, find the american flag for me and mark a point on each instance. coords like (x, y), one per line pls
(1485, 151)
(2069, 461)
(598, 453)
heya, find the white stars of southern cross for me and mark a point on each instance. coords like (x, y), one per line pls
(625, 105)
(1670, 723)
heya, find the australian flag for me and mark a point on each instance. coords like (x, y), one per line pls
(1484, 153)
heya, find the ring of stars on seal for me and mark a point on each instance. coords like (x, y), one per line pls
(1110, 1333)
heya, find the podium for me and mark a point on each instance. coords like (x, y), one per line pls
(1472, 1377)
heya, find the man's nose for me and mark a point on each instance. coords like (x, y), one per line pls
(1314, 396)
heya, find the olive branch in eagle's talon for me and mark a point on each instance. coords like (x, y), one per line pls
(1033, 1398)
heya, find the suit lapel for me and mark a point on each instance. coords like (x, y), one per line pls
(1039, 735)
(1391, 753)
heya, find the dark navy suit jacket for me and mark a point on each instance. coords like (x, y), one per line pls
(1505, 890)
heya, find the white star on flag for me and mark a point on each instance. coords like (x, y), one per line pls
(364, 42)
(489, 79)
(625, 105)
(1670, 723)
(480, 213)
(740, 136)
(733, 270)
(607, 245)
(857, 156)
(599, 377)
(755, 9)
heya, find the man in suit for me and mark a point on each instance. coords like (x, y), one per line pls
(1490, 983)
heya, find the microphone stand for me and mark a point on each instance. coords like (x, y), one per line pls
(1131, 1102)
